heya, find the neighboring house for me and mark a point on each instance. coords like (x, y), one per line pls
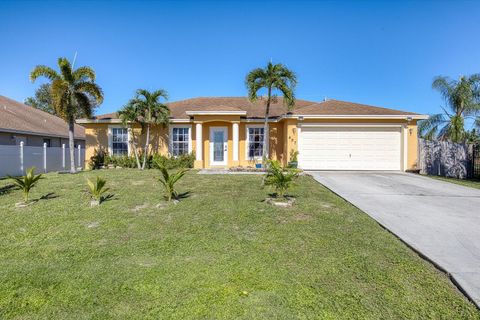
(33, 127)
(228, 132)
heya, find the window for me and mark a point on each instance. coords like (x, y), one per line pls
(119, 141)
(255, 142)
(180, 141)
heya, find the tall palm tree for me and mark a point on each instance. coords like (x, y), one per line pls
(73, 93)
(462, 99)
(150, 112)
(273, 78)
(129, 115)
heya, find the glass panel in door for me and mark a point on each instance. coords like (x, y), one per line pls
(218, 153)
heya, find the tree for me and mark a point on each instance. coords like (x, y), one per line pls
(73, 93)
(273, 78)
(462, 98)
(148, 111)
(42, 99)
(130, 114)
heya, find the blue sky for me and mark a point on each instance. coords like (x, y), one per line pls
(380, 53)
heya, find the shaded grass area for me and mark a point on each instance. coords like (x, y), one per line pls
(220, 253)
(474, 183)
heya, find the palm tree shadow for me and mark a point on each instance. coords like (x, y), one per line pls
(108, 197)
(184, 195)
(48, 196)
(7, 189)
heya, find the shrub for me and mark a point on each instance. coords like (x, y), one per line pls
(97, 160)
(278, 177)
(154, 161)
(97, 189)
(26, 182)
(182, 161)
(168, 180)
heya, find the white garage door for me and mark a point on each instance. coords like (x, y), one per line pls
(349, 148)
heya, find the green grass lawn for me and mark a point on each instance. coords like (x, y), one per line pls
(221, 253)
(466, 183)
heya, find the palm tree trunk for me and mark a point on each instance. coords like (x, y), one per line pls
(71, 144)
(133, 142)
(265, 128)
(147, 142)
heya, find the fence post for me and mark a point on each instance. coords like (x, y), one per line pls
(45, 157)
(63, 156)
(21, 156)
(79, 156)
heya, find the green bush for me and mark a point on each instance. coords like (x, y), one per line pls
(183, 161)
(279, 178)
(97, 160)
(154, 161)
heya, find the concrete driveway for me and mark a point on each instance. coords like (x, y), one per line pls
(439, 219)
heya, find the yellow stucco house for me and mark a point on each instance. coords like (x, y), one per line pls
(227, 132)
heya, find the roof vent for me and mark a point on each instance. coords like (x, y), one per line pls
(325, 99)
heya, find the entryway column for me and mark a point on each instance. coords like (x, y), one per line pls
(235, 136)
(199, 146)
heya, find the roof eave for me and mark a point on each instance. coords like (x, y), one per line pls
(41, 134)
(216, 113)
(349, 116)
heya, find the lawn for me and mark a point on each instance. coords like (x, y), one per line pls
(466, 183)
(221, 253)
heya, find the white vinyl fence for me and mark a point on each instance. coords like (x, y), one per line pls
(15, 160)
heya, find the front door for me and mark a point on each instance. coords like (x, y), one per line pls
(218, 146)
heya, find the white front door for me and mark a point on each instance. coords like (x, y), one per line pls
(218, 146)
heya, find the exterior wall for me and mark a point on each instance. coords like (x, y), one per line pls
(412, 144)
(283, 138)
(96, 135)
(7, 138)
(97, 138)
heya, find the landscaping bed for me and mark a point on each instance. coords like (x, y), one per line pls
(220, 252)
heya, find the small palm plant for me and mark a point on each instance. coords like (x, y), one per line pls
(281, 179)
(26, 182)
(97, 189)
(169, 179)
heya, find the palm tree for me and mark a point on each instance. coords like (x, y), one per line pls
(150, 111)
(462, 99)
(73, 93)
(130, 114)
(274, 77)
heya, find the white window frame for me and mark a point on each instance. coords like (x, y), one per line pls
(247, 140)
(110, 138)
(170, 136)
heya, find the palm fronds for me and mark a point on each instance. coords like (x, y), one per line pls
(280, 178)
(97, 188)
(168, 180)
(73, 94)
(462, 98)
(26, 182)
(274, 77)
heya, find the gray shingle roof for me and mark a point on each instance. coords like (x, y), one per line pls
(18, 117)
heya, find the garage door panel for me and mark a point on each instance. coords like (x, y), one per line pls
(350, 148)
